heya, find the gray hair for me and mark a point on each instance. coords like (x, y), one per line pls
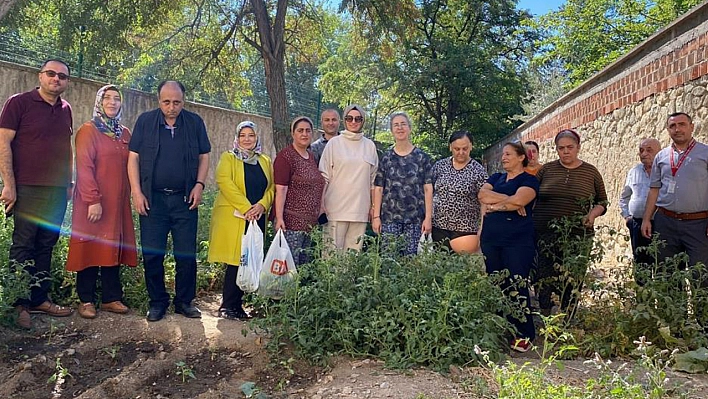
(397, 114)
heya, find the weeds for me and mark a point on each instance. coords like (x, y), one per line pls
(112, 351)
(60, 374)
(424, 310)
(184, 370)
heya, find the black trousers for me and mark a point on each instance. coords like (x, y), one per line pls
(169, 214)
(232, 295)
(642, 259)
(518, 260)
(38, 212)
(111, 289)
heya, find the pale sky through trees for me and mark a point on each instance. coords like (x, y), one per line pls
(539, 7)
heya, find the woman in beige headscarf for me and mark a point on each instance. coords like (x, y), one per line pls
(348, 164)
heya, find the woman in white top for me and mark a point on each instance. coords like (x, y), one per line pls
(348, 164)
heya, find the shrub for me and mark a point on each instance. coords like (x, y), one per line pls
(429, 309)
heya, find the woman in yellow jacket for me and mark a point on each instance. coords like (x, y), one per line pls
(245, 180)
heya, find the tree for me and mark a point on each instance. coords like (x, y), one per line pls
(457, 64)
(5, 7)
(213, 46)
(587, 35)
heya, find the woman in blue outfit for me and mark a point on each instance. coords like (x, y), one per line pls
(508, 237)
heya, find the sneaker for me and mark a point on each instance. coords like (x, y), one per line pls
(521, 345)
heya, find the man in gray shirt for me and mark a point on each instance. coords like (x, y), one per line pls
(679, 194)
(330, 128)
(634, 198)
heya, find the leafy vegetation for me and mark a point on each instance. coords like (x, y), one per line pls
(425, 310)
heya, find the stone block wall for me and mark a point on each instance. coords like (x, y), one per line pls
(81, 93)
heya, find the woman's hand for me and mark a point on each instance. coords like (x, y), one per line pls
(255, 212)
(279, 225)
(589, 220)
(376, 224)
(95, 212)
(427, 226)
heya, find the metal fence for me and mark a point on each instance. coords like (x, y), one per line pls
(29, 52)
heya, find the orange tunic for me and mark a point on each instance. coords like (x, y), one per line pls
(101, 177)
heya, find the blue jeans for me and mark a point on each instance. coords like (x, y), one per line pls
(39, 212)
(169, 214)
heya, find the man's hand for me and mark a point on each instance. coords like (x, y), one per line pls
(95, 212)
(195, 196)
(646, 228)
(8, 198)
(141, 203)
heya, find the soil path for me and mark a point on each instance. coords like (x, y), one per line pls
(118, 356)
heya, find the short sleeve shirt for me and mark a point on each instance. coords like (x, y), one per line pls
(691, 180)
(305, 185)
(402, 179)
(509, 227)
(41, 149)
(455, 203)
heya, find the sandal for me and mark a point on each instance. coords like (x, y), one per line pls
(51, 309)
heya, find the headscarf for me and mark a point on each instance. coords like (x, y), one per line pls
(355, 136)
(108, 126)
(248, 156)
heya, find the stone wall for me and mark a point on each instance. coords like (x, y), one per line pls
(81, 93)
(627, 101)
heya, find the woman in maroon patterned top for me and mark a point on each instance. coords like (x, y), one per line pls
(298, 190)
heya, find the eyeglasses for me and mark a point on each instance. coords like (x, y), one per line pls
(357, 119)
(51, 74)
(402, 124)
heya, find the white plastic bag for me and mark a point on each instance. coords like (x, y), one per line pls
(251, 258)
(278, 268)
(425, 243)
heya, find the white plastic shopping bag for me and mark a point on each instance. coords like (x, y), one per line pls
(278, 268)
(425, 243)
(251, 258)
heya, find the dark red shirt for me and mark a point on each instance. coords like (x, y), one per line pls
(305, 184)
(41, 149)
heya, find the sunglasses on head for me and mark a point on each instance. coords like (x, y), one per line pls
(51, 74)
(350, 118)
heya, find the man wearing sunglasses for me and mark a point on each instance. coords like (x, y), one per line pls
(36, 170)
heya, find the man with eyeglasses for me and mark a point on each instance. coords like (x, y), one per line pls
(167, 166)
(36, 170)
(330, 128)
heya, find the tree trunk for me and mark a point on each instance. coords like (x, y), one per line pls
(5, 7)
(272, 48)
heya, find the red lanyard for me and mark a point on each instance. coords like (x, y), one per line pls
(675, 167)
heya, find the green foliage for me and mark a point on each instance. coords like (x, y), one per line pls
(647, 379)
(451, 64)
(185, 371)
(587, 35)
(424, 310)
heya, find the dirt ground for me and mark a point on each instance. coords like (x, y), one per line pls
(117, 356)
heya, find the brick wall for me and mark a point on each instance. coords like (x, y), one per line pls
(672, 57)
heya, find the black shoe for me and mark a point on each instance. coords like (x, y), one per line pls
(189, 311)
(233, 314)
(156, 313)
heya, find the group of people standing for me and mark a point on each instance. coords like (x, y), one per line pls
(338, 181)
